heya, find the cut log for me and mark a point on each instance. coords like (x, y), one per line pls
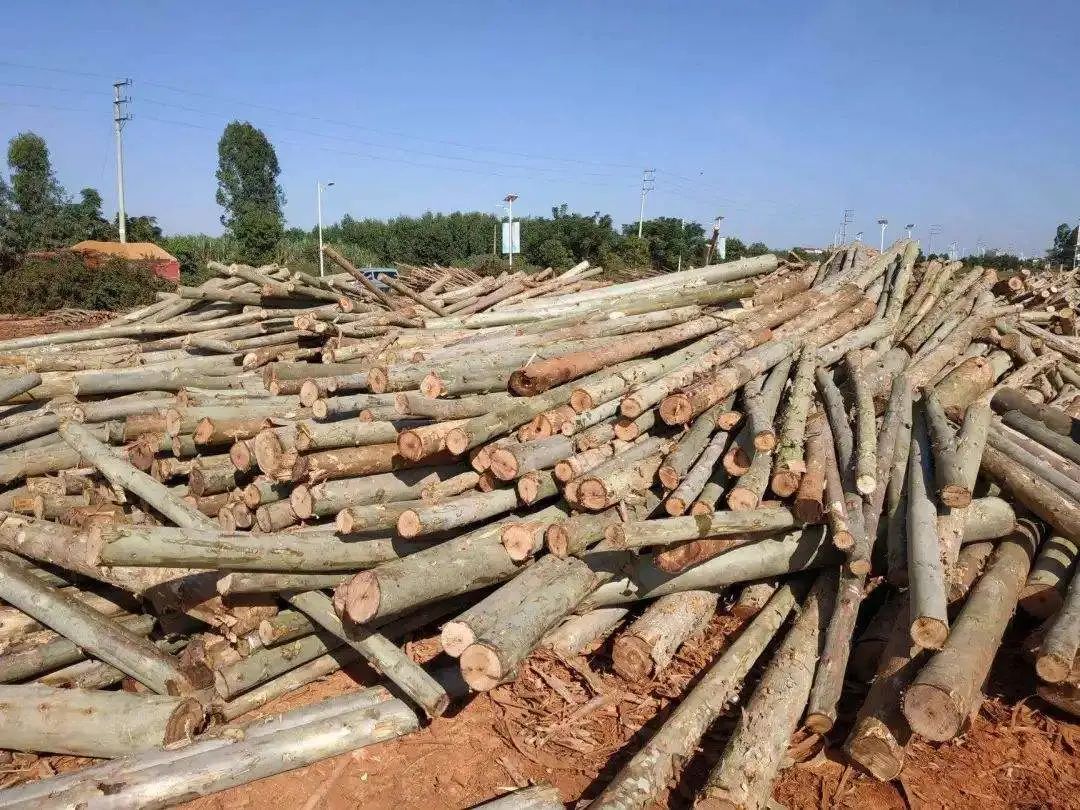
(833, 660)
(1043, 594)
(926, 575)
(578, 633)
(91, 722)
(646, 647)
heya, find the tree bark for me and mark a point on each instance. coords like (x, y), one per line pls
(577, 633)
(1043, 595)
(926, 574)
(647, 646)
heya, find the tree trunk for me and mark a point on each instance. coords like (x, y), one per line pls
(929, 617)
(833, 660)
(1043, 595)
(577, 633)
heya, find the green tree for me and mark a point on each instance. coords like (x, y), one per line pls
(249, 192)
(1061, 252)
(35, 193)
(9, 237)
(140, 229)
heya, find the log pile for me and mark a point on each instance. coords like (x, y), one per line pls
(222, 497)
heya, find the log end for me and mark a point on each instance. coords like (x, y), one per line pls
(581, 401)
(742, 499)
(481, 668)
(432, 386)
(344, 522)
(319, 409)
(631, 408)
(408, 524)
(819, 722)
(357, 598)
(808, 510)
(592, 494)
(785, 483)
(522, 384)
(557, 539)
(377, 379)
(411, 445)
(457, 442)
(668, 476)
(184, 722)
(675, 506)
(955, 496)
(929, 633)
(932, 713)
(859, 566)
(625, 429)
(241, 456)
(702, 508)
(503, 464)
(1041, 601)
(676, 409)
(309, 393)
(456, 637)
(564, 471)
(866, 484)
(765, 441)
(203, 431)
(519, 539)
(872, 746)
(301, 501)
(1052, 668)
(631, 658)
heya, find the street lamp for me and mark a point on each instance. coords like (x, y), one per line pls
(509, 200)
(318, 210)
(884, 223)
(909, 226)
(858, 236)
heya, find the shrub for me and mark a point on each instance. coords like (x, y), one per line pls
(58, 280)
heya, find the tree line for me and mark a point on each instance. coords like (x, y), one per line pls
(36, 214)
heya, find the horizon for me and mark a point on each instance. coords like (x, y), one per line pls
(758, 115)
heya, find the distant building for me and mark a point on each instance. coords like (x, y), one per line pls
(161, 261)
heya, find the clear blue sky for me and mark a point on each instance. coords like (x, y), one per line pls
(778, 115)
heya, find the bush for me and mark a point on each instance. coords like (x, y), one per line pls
(62, 279)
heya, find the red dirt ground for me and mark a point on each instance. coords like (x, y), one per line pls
(13, 326)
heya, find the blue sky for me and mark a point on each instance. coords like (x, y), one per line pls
(778, 115)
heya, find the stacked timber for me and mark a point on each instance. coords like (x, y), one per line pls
(538, 462)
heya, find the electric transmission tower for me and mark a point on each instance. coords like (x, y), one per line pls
(648, 182)
(120, 117)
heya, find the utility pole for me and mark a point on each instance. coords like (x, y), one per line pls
(120, 117)
(1076, 251)
(845, 220)
(509, 200)
(884, 223)
(682, 230)
(648, 181)
(714, 240)
(934, 231)
(954, 251)
(318, 211)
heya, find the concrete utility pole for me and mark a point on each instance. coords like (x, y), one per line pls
(1076, 250)
(884, 223)
(714, 240)
(318, 213)
(509, 200)
(120, 117)
(910, 227)
(648, 181)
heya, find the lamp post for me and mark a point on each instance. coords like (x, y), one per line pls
(318, 211)
(509, 200)
(909, 227)
(884, 223)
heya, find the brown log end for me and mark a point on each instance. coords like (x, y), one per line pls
(676, 409)
(457, 442)
(717, 802)
(932, 713)
(481, 668)
(519, 539)
(929, 633)
(581, 401)
(728, 420)
(874, 747)
(843, 539)
(631, 659)
(357, 598)
(625, 429)
(141, 453)
(486, 481)
(196, 482)
(592, 494)
(808, 510)
(242, 516)
(408, 524)
(785, 482)
(456, 637)
(692, 552)
(557, 539)
(187, 719)
(377, 379)
(819, 722)
(309, 393)
(630, 407)
(564, 471)
(503, 464)
(525, 386)
(702, 508)
(268, 451)
(668, 476)
(1052, 668)
(411, 445)
(203, 431)
(741, 499)
(615, 534)
(241, 456)
(432, 385)
(1040, 600)
(859, 566)
(736, 461)
(955, 496)
(765, 440)
(675, 506)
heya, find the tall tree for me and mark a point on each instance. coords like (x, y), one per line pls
(248, 190)
(1061, 252)
(36, 194)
